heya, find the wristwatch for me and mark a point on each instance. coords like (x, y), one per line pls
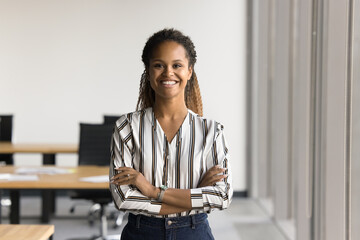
(161, 193)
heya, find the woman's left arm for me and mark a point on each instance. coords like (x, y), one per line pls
(178, 198)
(218, 195)
(174, 200)
(214, 190)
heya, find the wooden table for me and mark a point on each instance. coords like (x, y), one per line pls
(48, 150)
(28, 232)
(51, 182)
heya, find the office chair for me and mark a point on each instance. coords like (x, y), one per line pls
(6, 159)
(6, 136)
(94, 149)
(111, 119)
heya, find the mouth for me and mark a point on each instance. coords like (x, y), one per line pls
(168, 83)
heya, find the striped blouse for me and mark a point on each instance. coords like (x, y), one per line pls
(139, 142)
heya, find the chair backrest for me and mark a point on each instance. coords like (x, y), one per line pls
(6, 128)
(110, 119)
(94, 145)
(6, 123)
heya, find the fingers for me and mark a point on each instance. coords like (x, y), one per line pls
(218, 178)
(126, 176)
(120, 176)
(213, 181)
(122, 179)
(124, 169)
(214, 171)
(214, 175)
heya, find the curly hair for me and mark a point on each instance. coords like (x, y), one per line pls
(192, 90)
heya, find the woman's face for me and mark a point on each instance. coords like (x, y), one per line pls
(169, 71)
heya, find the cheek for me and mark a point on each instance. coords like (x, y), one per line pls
(186, 75)
(152, 82)
(184, 83)
(153, 74)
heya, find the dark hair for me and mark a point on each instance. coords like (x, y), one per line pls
(192, 91)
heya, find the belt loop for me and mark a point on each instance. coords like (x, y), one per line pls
(193, 221)
(138, 220)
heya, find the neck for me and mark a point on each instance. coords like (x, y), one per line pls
(169, 109)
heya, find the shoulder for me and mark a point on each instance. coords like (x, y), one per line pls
(128, 121)
(208, 121)
(208, 124)
(131, 118)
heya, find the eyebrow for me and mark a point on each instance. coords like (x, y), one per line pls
(157, 59)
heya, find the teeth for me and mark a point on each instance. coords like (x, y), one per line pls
(169, 82)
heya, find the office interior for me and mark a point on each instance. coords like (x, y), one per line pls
(281, 76)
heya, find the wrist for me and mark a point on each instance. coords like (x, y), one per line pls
(155, 192)
(160, 195)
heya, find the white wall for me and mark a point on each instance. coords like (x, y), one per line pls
(65, 62)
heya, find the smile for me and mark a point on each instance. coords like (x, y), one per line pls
(168, 82)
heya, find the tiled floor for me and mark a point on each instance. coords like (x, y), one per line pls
(244, 220)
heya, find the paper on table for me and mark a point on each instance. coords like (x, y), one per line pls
(42, 170)
(5, 176)
(17, 177)
(96, 179)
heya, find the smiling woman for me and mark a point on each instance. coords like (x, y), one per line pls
(169, 166)
(179, 45)
(169, 71)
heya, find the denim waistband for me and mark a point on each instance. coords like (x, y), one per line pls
(167, 223)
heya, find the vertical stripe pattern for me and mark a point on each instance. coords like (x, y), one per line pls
(178, 159)
(191, 153)
(165, 160)
(153, 144)
(199, 144)
(141, 143)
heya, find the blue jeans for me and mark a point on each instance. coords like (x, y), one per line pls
(150, 228)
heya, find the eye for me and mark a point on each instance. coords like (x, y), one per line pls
(158, 65)
(177, 65)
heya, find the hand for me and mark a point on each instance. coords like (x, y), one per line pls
(129, 176)
(211, 176)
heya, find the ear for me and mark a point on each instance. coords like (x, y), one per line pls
(190, 72)
(146, 72)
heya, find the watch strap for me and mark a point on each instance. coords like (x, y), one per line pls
(160, 195)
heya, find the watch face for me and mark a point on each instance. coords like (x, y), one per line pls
(163, 187)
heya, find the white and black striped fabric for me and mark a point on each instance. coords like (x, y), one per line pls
(139, 142)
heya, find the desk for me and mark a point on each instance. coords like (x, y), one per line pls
(51, 182)
(28, 232)
(48, 150)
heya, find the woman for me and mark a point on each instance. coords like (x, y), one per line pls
(169, 165)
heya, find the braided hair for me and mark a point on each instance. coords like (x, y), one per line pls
(192, 90)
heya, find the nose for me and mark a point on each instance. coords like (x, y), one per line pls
(168, 71)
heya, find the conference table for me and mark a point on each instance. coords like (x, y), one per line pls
(28, 232)
(71, 179)
(48, 150)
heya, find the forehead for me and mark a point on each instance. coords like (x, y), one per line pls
(169, 49)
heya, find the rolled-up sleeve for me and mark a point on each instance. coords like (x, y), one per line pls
(127, 197)
(220, 195)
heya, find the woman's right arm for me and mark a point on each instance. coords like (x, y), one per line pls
(127, 197)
